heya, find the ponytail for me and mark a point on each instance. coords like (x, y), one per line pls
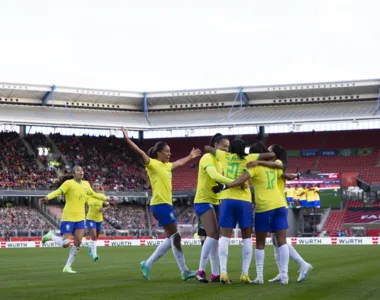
(217, 138)
(158, 147)
(238, 147)
(281, 154)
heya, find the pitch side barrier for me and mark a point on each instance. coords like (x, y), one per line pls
(196, 242)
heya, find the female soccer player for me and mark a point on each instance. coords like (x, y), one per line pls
(159, 170)
(206, 206)
(305, 268)
(76, 191)
(269, 214)
(236, 207)
(94, 219)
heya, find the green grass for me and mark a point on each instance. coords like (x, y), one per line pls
(329, 200)
(340, 272)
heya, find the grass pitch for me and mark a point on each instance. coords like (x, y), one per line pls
(340, 272)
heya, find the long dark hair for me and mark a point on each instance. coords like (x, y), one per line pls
(158, 147)
(281, 154)
(67, 177)
(217, 138)
(258, 148)
(238, 147)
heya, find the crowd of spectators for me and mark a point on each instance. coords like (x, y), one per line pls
(21, 220)
(124, 217)
(18, 168)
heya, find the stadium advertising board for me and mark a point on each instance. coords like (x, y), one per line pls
(328, 152)
(314, 190)
(309, 153)
(196, 242)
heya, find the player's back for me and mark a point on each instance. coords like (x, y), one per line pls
(267, 193)
(234, 167)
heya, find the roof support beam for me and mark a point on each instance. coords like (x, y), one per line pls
(145, 106)
(45, 98)
(378, 104)
(243, 97)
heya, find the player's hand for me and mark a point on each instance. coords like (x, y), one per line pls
(220, 187)
(125, 132)
(252, 164)
(298, 175)
(244, 186)
(195, 153)
(43, 200)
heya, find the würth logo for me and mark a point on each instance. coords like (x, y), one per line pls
(294, 241)
(254, 241)
(37, 244)
(3, 244)
(334, 240)
(142, 242)
(375, 240)
(106, 243)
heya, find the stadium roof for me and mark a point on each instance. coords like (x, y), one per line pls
(81, 107)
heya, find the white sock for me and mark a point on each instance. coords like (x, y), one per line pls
(223, 253)
(259, 255)
(214, 259)
(57, 239)
(294, 255)
(178, 254)
(277, 257)
(93, 248)
(159, 252)
(207, 246)
(73, 252)
(284, 260)
(246, 253)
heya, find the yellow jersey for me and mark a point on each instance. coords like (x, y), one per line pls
(310, 195)
(204, 192)
(265, 183)
(160, 177)
(316, 194)
(335, 189)
(76, 194)
(300, 192)
(93, 209)
(281, 186)
(289, 192)
(234, 167)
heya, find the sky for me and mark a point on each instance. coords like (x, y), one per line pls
(170, 44)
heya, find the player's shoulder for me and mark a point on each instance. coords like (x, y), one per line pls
(207, 158)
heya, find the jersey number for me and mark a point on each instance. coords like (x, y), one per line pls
(232, 171)
(271, 177)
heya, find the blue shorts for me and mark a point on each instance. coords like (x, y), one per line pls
(201, 208)
(234, 212)
(69, 227)
(303, 203)
(310, 204)
(317, 203)
(93, 224)
(164, 214)
(271, 220)
(289, 199)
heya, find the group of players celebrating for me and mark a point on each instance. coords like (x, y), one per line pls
(231, 186)
(306, 195)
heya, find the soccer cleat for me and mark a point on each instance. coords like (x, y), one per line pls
(186, 275)
(224, 279)
(47, 237)
(276, 279)
(201, 276)
(304, 272)
(284, 280)
(245, 279)
(89, 252)
(215, 278)
(258, 280)
(95, 258)
(145, 270)
(68, 270)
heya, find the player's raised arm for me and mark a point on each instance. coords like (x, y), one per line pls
(134, 147)
(61, 190)
(183, 161)
(209, 149)
(291, 176)
(269, 164)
